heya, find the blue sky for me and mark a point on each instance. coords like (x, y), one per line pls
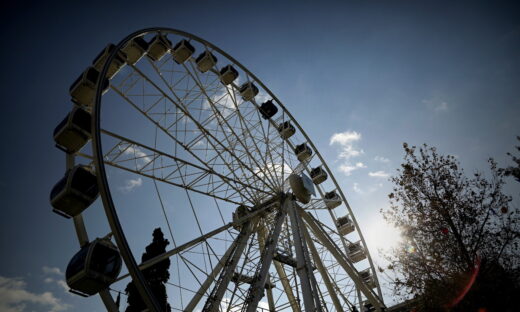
(360, 77)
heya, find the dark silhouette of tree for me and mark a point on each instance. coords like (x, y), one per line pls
(156, 276)
(514, 171)
(460, 247)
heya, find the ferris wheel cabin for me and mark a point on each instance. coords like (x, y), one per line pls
(83, 89)
(228, 74)
(135, 49)
(93, 268)
(268, 109)
(158, 47)
(345, 225)
(366, 276)
(332, 199)
(248, 91)
(356, 252)
(77, 190)
(302, 187)
(303, 152)
(117, 63)
(205, 61)
(286, 130)
(182, 51)
(73, 132)
(318, 175)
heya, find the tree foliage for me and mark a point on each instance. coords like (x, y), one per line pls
(156, 276)
(460, 247)
(515, 169)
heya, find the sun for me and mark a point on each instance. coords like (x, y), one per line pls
(380, 235)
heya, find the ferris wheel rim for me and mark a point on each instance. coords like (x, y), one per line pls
(99, 163)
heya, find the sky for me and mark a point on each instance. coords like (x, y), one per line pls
(361, 77)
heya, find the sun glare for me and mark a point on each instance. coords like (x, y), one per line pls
(381, 235)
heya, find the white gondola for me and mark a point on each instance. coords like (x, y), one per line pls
(239, 278)
(93, 268)
(286, 130)
(117, 63)
(135, 49)
(73, 132)
(268, 109)
(248, 91)
(303, 152)
(228, 74)
(366, 276)
(345, 225)
(158, 47)
(83, 89)
(318, 175)
(77, 190)
(205, 61)
(356, 252)
(302, 187)
(332, 200)
(182, 51)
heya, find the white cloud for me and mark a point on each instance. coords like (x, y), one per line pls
(347, 168)
(273, 170)
(223, 102)
(347, 141)
(382, 159)
(131, 184)
(14, 297)
(59, 282)
(366, 190)
(379, 174)
(349, 151)
(344, 138)
(63, 285)
(357, 189)
(49, 270)
(138, 154)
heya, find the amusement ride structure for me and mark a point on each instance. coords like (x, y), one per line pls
(265, 225)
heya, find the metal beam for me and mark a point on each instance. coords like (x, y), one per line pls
(323, 272)
(328, 243)
(197, 240)
(281, 275)
(303, 267)
(211, 277)
(256, 290)
(287, 287)
(213, 302)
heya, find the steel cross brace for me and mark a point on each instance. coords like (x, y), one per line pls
(328, 243)
(211, 277)
(213, 302)
(256, 290)
(308, 284)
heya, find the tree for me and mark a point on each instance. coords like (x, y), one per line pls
(156, 276)
(460, 247)
(514, 171)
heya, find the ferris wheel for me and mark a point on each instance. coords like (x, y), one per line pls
(172, 132)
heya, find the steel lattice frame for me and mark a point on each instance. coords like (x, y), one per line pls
(208, 141)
